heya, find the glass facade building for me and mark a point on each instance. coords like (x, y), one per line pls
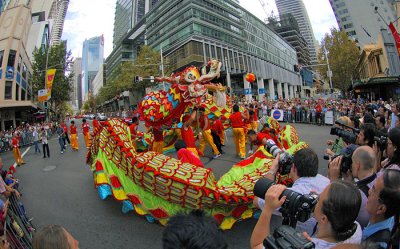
(92, 60)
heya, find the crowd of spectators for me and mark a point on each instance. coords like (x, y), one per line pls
(25, 133)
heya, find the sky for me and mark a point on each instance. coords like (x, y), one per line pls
(89, 18)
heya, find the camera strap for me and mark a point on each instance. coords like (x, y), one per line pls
(363, 184)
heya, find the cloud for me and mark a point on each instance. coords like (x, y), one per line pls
(86, 19)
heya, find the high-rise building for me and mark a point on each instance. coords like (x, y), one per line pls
(193, 32)
(98, 81)
(92, 61)
(15, 67)
(57, 14)
(288, 28)
(298, 10)
(76, 95)
(359, 20)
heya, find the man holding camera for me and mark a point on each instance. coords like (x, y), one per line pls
(304, 172)
(363, 172)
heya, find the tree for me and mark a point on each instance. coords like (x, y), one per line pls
(343, 56)
(59, 59)
(147, 64)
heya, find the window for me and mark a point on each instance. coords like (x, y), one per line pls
(1, 57)
(8, 90)
(348, 26)
(16, 92)
(11, 58)
(19, 63)
(23, 93)
(24, 71)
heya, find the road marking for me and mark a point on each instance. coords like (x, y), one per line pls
(23, 154)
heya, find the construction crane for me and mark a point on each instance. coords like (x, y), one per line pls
(264, 6)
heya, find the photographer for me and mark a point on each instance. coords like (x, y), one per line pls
(392, 150)
(363, 171)
(339, 144)
(384, 206)
(304, 173)
(335, 212)
(366, 135)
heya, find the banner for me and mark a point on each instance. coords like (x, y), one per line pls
(49, 81)
(396, 36)
(329, 117)
(277, 114)
(42, 95)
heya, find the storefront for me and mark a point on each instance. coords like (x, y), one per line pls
(385, 88)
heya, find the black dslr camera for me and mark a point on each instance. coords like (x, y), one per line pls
(347, 136)
(287, 237)
(297, 207)
(381, 140)
(285, 159)
(345, 164)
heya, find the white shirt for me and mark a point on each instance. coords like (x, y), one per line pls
(305, 185)
(354, 239)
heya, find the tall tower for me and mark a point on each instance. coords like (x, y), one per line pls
(76, 97)
(58, 13)
(359, 20)
(298, 10)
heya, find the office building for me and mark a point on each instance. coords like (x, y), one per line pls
(98, 81)
(193, 32)
(92, 61)
(359, 20)
(76, 95)
(298, 10)
(57, 14)
(288, 28)
(15, 67)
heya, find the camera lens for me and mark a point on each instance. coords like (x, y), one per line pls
(261, 187)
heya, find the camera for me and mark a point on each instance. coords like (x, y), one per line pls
(285, 159)
(287, 237)
(346, 162)
(348, 137)
(297, 207)
(381, 140)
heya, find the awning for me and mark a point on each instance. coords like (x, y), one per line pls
(374, 82)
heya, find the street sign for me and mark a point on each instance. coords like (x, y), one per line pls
(261, 91)
(329, 73)
(247, 91)
(42, 95)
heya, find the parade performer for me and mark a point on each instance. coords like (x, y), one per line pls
(133, 129)
(185, 155)
(206, 134)
(187, 132)
(65, 127)
(95, 123)
(158, 142)
(218, 128)
(16, 151)
(238, 125)
(254, 118)
(74, 136)
(258, 139)
(86, 134)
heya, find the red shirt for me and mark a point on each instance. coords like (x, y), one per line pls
(95, 124)
(204, 123)
(73, 129)
(261, 136)
(186, 156)
(158, 135)
(65, 127)
(236, 120)
(14, 142)
(85, 128)
(188, 137)
(255, 117)
(318, 108)
(217, 127)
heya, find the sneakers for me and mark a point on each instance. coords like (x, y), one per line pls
(62, 152)
(216, 156)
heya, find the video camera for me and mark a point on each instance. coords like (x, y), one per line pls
(297, 207)
(287, 237)
(347, 136)
(285, 159)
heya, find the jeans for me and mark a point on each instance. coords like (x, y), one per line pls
(37, 149)
(61, 141)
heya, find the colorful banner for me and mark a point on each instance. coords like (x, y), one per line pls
(42, 95)
(49, 81)
(396, 36)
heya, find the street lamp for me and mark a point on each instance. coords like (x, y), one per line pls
(329, 73)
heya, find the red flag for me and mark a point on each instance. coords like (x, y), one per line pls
(396, 36)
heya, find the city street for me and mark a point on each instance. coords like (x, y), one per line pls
(59, 190)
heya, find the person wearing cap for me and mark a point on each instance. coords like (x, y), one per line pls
(187, 132)
(206, 134)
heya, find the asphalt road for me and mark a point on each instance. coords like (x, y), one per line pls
(59, 190)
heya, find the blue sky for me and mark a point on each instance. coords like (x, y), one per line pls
(89, 18)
